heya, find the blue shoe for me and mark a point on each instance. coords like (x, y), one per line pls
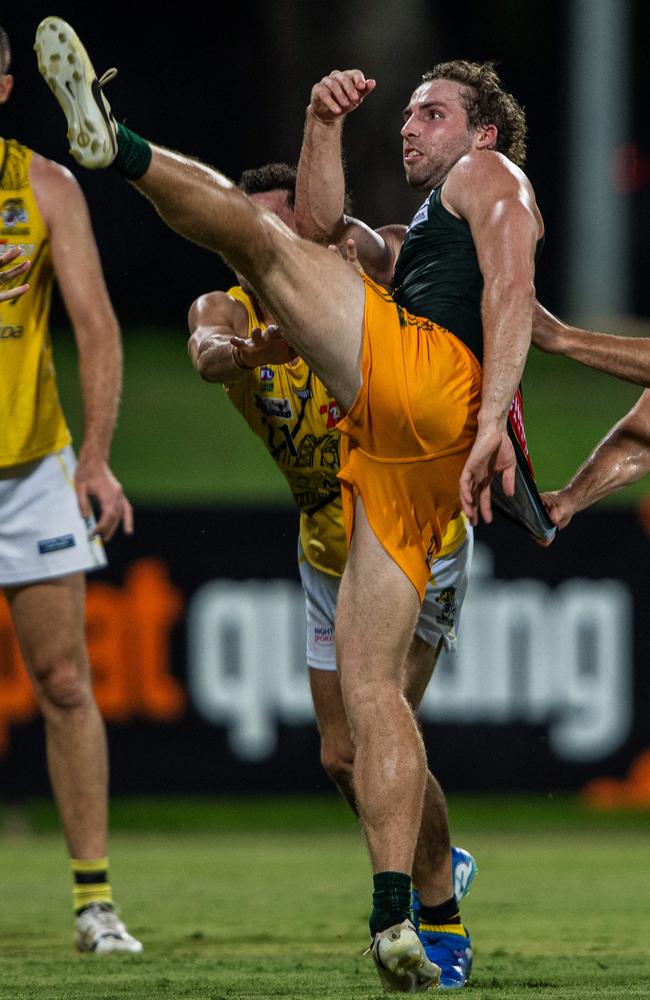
(452, 953)
(463, 872)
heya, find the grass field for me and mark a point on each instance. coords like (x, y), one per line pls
(180, 440)
(269, 899)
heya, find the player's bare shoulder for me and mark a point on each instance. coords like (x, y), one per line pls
(483, 178)
(54, 186)
(218, 309)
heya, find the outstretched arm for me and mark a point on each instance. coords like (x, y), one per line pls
(320, 189)
(625, 357)
(79, 274)
(496, 199)
(622, 457)
(219, 345)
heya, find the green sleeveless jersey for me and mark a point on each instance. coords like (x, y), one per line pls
(437, 274)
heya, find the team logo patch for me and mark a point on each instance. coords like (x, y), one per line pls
(56, 544)
(13, 213)
(448, 606)
(272, 406)
(421, 215)
(266, 374)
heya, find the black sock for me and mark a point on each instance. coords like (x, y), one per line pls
(444, 913)
(391, 900)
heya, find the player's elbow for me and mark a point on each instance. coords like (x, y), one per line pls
(207, 366)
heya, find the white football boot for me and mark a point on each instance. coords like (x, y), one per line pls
(100, 930)
(401, 961)
(64, 64)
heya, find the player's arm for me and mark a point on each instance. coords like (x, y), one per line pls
(320, 188)
(79, 274)
(622, 457)
(495, 198)
(219, 345)
(625, 357)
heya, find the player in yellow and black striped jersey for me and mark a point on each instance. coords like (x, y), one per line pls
(48, 537)
(234, 341)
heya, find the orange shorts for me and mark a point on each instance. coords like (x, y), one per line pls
(408, 433)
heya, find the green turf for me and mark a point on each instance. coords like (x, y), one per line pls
(180, 440)
(265, 912)
(304, 814)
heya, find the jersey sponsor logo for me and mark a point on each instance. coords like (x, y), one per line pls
(332, 413)
(421, 215)
(272, 406)
(56, 544)
(304, 393)
(13, 214)
(448, 606)
(323, 635)
(28, 249)
(11, 332)
(266, 374)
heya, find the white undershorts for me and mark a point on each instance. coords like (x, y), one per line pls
(439, 616)
(42, 532)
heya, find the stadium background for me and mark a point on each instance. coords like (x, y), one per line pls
(231, 89)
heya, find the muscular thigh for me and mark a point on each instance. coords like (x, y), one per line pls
(318, 300)
(375, 617)
(49, 620)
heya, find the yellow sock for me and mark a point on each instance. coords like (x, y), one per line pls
(444, 929)
(90, 882)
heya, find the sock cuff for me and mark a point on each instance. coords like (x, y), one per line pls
(133, 154)
(89, 866)
(444, 929)
(384, 879)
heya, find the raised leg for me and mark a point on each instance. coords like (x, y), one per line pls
(316, 297)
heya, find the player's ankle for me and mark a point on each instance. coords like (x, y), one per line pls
(133, 154)
(391, 900)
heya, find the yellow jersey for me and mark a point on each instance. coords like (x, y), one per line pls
(31, 420)
(295, 416)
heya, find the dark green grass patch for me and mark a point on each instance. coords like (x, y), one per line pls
(257, 912)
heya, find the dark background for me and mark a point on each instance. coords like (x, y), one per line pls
(229, 84)
(191, 755)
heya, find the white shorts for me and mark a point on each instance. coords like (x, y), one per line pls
(42, 532)
(439, 616)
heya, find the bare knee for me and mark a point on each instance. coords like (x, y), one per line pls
(62, 682)
(338, 762)
(373, 706)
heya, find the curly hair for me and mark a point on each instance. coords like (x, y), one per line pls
(277, 177)
(5, 51)
(487, 103)
(270, 177)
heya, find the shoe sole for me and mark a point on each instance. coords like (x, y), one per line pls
(107, 945)
(464, 870)
(64, 65)
(406, 968)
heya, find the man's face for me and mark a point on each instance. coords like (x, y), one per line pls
(435, 133)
